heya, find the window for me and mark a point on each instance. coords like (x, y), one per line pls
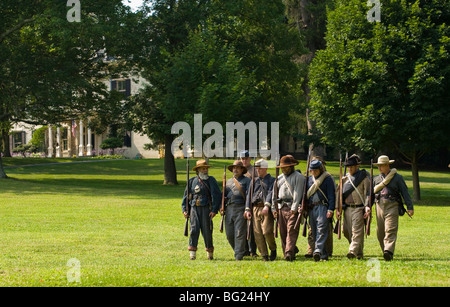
(122, 86)
(18, 138)
(65, 142)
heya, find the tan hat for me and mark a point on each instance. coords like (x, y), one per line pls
(261, 163)
(200, 163)
(384, 160)
(287, 160)
(237, 163)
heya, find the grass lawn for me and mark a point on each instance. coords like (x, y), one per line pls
(126, 229)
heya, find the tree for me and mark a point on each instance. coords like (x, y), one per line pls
(309, 18)
(385, 84)
(230, 61)
(52, 69)
(111, 143)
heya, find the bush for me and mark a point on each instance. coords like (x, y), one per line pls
(111, 143)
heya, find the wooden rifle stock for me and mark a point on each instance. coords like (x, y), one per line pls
(369, 218)
(275, 191)
(249, 221)
(303, 217)
(222, 210)
(188, 209)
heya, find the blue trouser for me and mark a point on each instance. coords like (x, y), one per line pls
(201, 222)
(236, 229)
(319, 228)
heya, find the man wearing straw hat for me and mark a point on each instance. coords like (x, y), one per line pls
(236, 193)
(262, 219)
(389, 189)
(205, 200)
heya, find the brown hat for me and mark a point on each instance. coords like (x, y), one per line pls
(237, 163)
(200, 163)
(287, 160)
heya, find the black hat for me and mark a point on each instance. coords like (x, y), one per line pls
(353, 160)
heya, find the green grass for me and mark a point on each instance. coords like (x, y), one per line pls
(126, 229)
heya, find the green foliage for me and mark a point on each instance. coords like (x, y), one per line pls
(230, 61)
(382, 83)
(52, 69)
(38, 137)
(111, 143)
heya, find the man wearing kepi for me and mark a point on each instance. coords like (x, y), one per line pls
(321, 204)
(263, 220)
(389, 189)
(355, 194)
(205, 200)
(290, 193)
(235, 223)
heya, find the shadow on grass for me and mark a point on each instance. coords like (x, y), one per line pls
(130, 188)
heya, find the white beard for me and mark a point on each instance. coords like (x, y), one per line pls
(203, 176)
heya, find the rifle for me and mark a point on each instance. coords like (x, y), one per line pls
(249, 222)
(303, 217)
(222, 210)
(369, 218)
(275, 191)
(188, 209)
(337, 228)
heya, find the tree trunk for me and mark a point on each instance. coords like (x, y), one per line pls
(4, 139)
(415, 176)
(170, 171)
(2, 171)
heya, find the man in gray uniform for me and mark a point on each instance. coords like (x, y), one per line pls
(389, 189)
(204, 203)
(235, 224)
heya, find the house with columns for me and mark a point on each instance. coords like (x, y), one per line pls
(75, 138)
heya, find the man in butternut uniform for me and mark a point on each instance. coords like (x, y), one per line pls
(290, 193)
(262, 218)
(356, 193)
(389, 189)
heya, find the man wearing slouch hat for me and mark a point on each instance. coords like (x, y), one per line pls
(204, 203)
(389, 189)
(355, 195)
(290, 193)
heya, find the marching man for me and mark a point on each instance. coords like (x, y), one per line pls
(389, 189)
(355, 194)
(235, 223)
(290, 193)
(261, 202)
(205, 199)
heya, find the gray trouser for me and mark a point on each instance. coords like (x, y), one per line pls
(201, 221)
(319, 228)
(236, 229)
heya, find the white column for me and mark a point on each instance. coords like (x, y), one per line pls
(58, 140)
(81, 146)
(89, 142)
(50, 142)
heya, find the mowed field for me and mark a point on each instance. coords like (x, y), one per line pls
(113, 223)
